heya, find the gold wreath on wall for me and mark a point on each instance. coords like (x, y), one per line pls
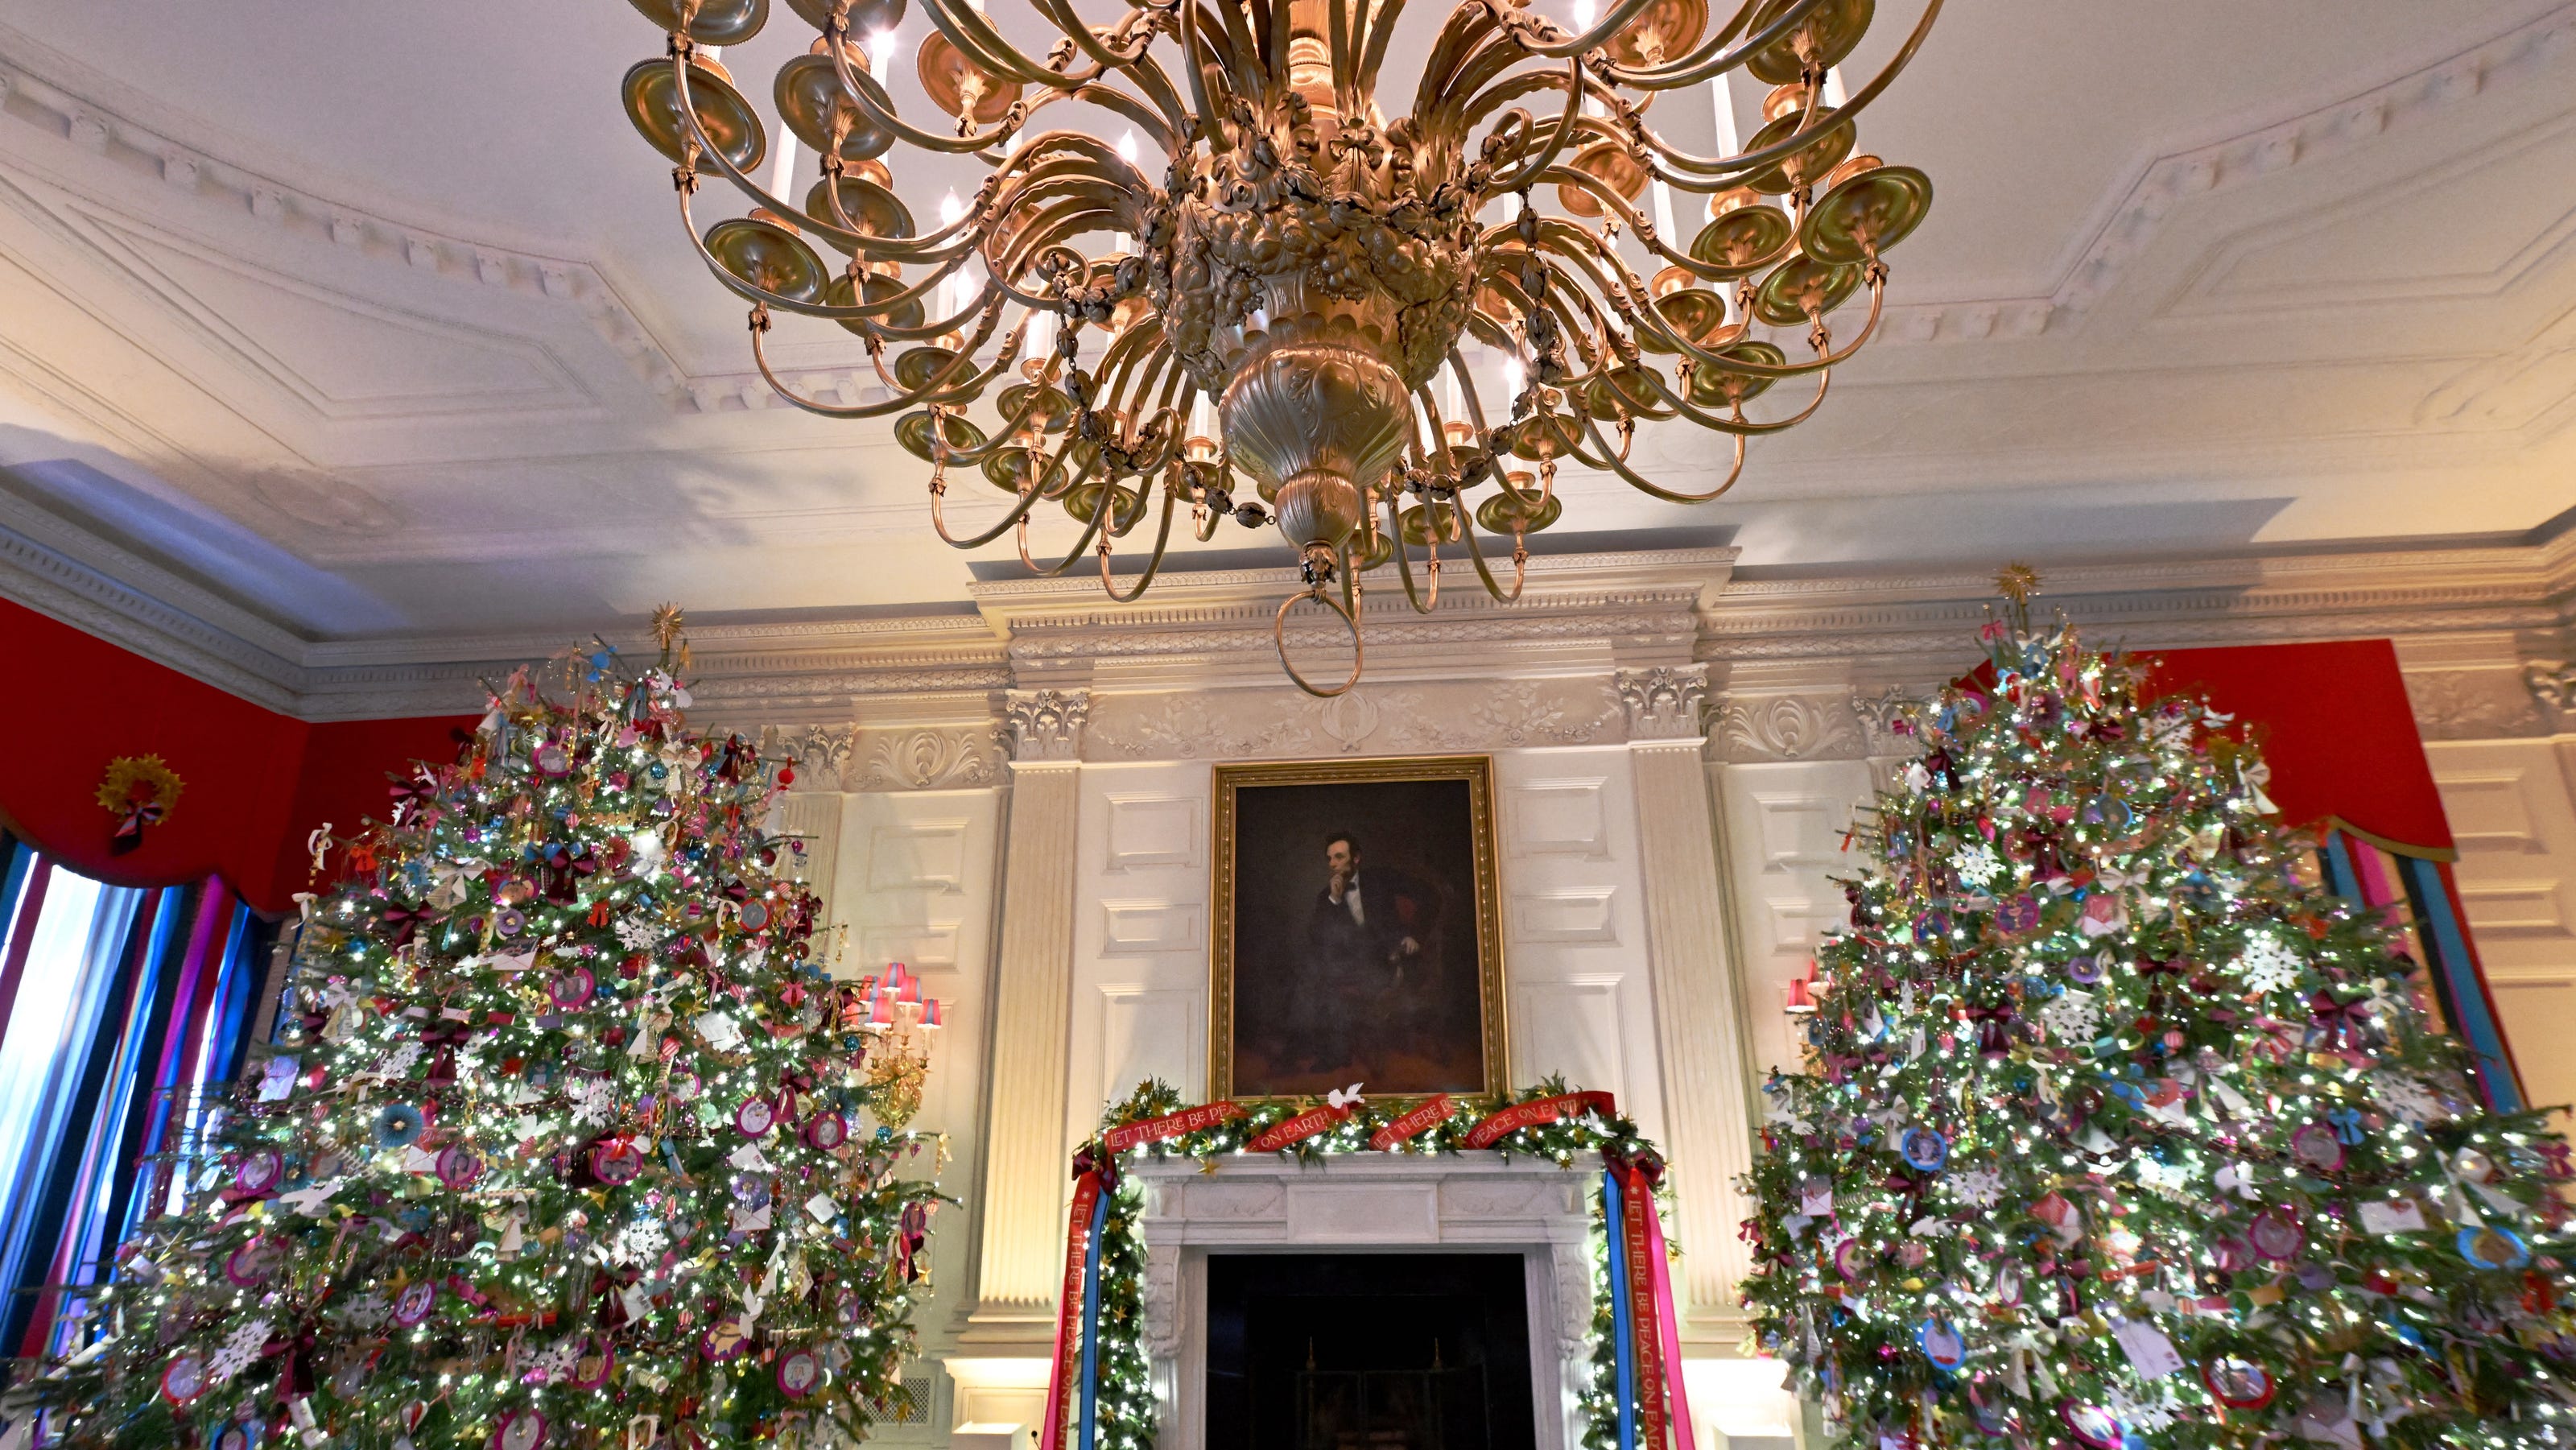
(140, 791)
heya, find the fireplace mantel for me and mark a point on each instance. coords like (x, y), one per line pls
(1358, 1203)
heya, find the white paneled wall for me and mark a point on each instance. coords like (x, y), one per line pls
(1140, 942)
(1574, 932)
(1573, 929)
(1784, 827)
(2508, 803)
(913, 881)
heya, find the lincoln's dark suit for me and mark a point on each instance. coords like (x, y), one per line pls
(1356, 969)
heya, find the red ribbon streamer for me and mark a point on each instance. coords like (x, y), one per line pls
(1636, 1206)
(1170, 1125)
(1438, 1109)
(1289, 1132)
(1068, 1334)
(1557, 1109)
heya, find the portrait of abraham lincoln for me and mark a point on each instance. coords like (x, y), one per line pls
(1355, 928)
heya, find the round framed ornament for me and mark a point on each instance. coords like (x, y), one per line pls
(2239, 1384)
(725, 1339)
(184, 1377)
(1923, 1149)
(413, 1304)
(260, 1173)
(1942, 1344)
(755, 915)
(800, 1371)
(2494, 1248)
(519, 1430)
(2316, 1146)
(571, 989)
(616, 1161)
(241, 1434)
(2093, 1427)
(250, 1265)
(827, 1130)
(755, 1118)
(592, 1367)
(459, 1167)
(2277, 1234)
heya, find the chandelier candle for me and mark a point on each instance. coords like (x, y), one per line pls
(1267, 237)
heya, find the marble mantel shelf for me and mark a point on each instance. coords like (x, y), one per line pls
(1364, 1203)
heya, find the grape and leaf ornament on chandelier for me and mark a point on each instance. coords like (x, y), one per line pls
(1282, 291)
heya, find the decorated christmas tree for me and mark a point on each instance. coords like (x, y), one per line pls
(2119, 1133)
(572, 1142)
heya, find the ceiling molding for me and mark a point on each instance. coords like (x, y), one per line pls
(1580, 614)
(108, 132)
(2163, 179)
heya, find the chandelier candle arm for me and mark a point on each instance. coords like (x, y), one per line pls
(1298, 259)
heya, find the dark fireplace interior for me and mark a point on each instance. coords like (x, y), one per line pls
(1368, 1352)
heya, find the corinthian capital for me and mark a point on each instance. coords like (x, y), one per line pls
(1664, 703)
(1045, 724)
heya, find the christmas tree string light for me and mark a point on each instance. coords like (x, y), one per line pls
(569, 1138)
(2119, 1134)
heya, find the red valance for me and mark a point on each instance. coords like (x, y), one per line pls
(2337, 730)
(256, 782)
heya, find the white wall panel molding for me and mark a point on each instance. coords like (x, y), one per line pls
(1556, 816)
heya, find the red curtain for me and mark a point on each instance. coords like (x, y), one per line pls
(2337, 730)
(256, 782)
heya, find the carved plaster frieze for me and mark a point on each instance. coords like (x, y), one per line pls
(1664, 703)
(821, 753)
(1045, 724)
(1431, 716)
(1877, 716)
(1789, 727)
(931, 757)
(2474, 704)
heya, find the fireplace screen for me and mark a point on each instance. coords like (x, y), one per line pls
(1368, 1352)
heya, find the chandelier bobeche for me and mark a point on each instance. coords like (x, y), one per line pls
(1298, 260)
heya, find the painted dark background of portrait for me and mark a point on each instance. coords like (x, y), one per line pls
(1301, 1026)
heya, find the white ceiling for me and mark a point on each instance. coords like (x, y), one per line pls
(378, 319)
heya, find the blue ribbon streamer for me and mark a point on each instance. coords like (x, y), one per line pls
(1087, 1436)
(1622, 1345)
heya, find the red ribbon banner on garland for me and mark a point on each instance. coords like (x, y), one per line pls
(1636, 1206)
(1420, 1120)
(1068, 1334)
(1544, 1110)
(1170, 1125)
(1289, 1132)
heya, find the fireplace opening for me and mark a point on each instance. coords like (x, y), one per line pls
(1368, 1352)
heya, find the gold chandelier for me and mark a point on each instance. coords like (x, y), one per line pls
(1285, 295)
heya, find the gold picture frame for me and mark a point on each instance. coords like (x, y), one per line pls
(1327, 999)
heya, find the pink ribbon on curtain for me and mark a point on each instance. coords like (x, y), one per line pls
(1667, 1327)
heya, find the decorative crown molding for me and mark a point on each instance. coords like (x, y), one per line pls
(2249, 154)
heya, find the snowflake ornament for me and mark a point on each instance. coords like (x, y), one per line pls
(238, 1351)
(554, 1362)
(1981, 1187)
(2267, 964)
(2409, 1097)
(591, 1101)
(2150, 1412)
(2075, 1016)
(643, 1239)
(369, 1310)
(1979, 864)
(636, 934)
(399, 1062)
